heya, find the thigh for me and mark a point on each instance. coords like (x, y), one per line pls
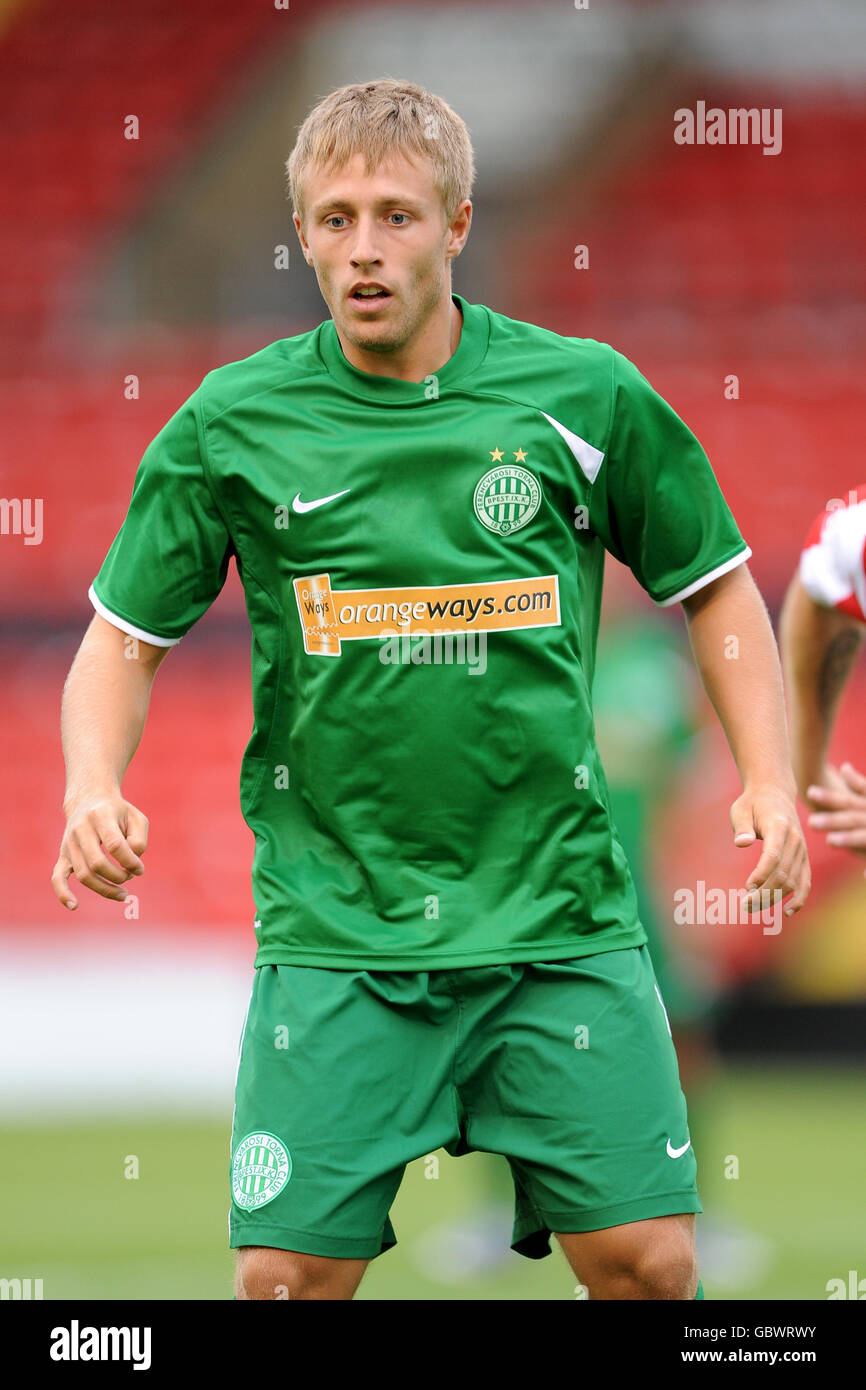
(577, 1084)
(342, 1080)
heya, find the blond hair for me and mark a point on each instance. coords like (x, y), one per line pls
(380, 119)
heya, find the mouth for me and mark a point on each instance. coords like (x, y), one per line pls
(369, 297)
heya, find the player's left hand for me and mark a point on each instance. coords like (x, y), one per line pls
(770, 814)
(841, 813)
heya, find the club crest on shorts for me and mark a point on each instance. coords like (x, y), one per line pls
(507, 498)
(261, 1167)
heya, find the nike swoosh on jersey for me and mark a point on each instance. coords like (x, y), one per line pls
(299, 506)
(677, 1153)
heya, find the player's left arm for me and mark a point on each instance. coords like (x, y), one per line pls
(736, 654)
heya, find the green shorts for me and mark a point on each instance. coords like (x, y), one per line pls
(567, 1068)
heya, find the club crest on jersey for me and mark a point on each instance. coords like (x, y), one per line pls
(506, 499)
(261, 1167)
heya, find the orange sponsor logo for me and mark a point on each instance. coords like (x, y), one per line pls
(330, 617)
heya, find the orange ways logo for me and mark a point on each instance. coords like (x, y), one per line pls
(329, 618)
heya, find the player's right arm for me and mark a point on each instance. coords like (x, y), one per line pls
(165, 567)
(105, 701)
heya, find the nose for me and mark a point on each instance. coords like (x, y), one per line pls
(364, 248)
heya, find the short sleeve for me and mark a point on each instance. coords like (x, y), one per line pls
(833, 559)
(169, 560)
(655, 502)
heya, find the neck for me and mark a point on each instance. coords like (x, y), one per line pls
(418, 359)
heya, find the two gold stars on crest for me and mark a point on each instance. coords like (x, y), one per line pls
(496, 455)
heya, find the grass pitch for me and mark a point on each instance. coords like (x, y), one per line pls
(70, 1216)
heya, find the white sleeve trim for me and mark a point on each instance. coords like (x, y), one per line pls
(589, 458)
(128, 627)
(706, 578)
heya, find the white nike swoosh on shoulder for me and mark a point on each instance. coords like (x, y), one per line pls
(678, 1153)
(299, 506)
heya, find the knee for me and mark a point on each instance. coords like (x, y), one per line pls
(265, 1273)
(666, 1269)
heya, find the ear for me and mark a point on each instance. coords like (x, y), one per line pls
(458, 229)
(308, 257)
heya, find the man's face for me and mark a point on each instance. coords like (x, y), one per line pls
(387, 228)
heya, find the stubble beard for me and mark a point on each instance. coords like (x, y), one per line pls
(395, 335)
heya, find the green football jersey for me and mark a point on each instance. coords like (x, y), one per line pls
(422, 564)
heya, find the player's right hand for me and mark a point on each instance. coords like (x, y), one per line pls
(101, 845)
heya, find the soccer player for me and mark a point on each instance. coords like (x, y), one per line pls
(822, 628)
(419, 494)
